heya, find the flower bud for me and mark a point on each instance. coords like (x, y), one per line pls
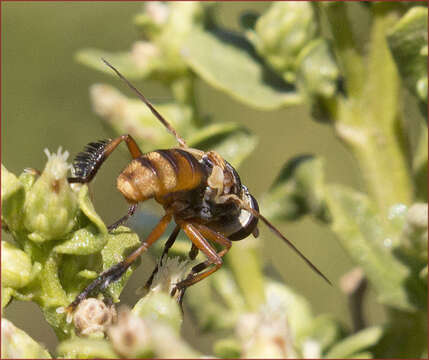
(282, 32)
(265, 334)
(415, 231)
(143, 52)
(159, 306)
(317, 72)
(93, 316)
(50, 205)
(16, 344)
(130, 336)
(153, 18)
(15, 266)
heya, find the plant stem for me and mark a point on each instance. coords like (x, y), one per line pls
(348, 57)
(245, 264)
(369, 121)
(183, 89)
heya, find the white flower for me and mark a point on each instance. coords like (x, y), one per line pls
(57, 165)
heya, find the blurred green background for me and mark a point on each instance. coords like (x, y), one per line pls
(46, 105)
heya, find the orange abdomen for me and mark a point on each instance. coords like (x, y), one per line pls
(158, 173)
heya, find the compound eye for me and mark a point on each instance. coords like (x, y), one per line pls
(253, 203)
(247, 222)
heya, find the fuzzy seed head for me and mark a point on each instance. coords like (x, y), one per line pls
(170, 272)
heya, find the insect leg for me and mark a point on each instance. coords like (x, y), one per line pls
(193, 252)
(170, 241)
(87, 163)
(116, 271)
(198, 234)
(131, 210)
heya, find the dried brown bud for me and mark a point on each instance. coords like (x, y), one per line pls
(92, 315)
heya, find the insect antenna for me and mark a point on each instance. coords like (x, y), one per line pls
(179, 139)
(288, 242)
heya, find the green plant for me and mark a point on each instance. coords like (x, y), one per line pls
(294, 53)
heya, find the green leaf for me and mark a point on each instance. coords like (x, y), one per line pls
(87, 208)
(232, 141)
(12, 200)
(119, 245)
(52, 293)
(317, 72)
(408, 42)
(356, 343)
(16, 266)
(63, 329)
(80, 348)
(325, 330)
(213, 316)
(6, 296)
(228, 290)
(362, 233)
(404, 336)
(228, 62)
(27, 179)
(84, 241)
(159, 55)
(227, 348)
(298, 190)
(87, 274)
(123, 61)
(363, 355)
(17, 344)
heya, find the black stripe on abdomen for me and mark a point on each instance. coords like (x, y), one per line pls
(144, 161)
(168, 156)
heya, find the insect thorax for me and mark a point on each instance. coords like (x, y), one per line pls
(206, 203)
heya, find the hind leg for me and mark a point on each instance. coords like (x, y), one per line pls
(87, 162)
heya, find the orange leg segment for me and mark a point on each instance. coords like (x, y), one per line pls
(198, 234)
(116, 271)
(170, 241)
(87, 163)
(131, 143)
